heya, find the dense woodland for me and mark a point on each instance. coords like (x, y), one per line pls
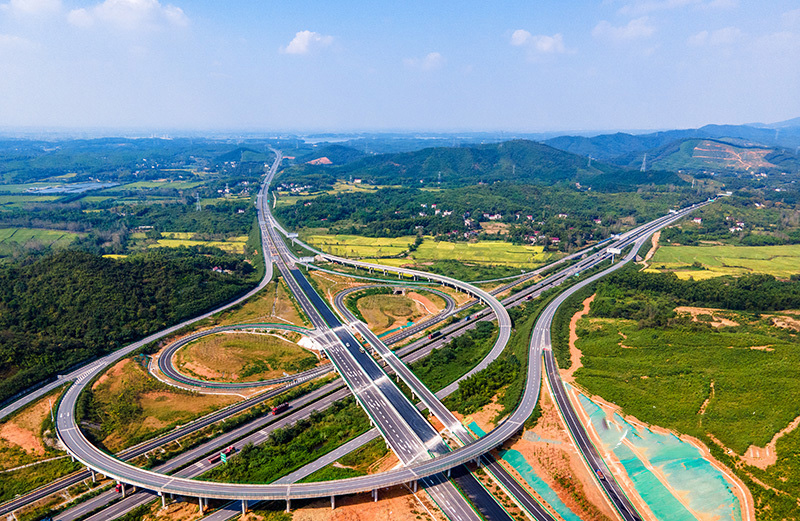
(71, 306)
(516, 161)
(573, 216)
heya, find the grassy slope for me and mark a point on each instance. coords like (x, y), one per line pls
(663, 377)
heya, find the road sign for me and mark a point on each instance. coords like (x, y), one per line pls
(224, 457)
(614, 251)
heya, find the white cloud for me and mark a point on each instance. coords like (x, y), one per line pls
(540, 43)
(791, 18)
(10, 41)
(520, 37)
(32, 7)
(699, 39)
(635, 29)
(430, 62)
(129, 14)
(306, 41)
(724, 36)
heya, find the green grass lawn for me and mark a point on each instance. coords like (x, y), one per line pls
(663, 376)
(781, 261)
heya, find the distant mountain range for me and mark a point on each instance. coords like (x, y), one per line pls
(731, 147)
(515, 161)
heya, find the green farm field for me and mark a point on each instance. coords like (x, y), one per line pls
(288, 199)
(14, 201)
(178, 239)
(357, 246)
(23, 236)
(780, 261)
(480, 252)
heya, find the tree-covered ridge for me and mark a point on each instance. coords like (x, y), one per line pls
(755, 293)
(71, 306)
(518, 161)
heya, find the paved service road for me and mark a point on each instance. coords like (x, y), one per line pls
(108, 465)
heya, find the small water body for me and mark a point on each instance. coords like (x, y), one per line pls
(520, 464)
(684, 468)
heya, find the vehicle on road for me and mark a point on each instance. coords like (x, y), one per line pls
(435, 334)
(279, 408)
(600, 474)
(216, 457)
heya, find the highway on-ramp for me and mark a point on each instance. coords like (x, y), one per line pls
(110, 466)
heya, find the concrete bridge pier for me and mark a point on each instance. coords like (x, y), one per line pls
(201, 502)
(375, 494)
(415, 486)
(94, 478)
(163, 500)
(244, 506)
(288, 505)
(333, 502)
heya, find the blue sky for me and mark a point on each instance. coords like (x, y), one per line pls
(354, 65)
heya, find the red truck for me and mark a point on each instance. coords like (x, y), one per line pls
(279, 408)
(218, 456)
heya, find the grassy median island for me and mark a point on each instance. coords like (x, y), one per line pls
(384, 311)
(671, 354)
(244, 357)
(274, 303)
(126, 405)
(290, 448)
(368, 459)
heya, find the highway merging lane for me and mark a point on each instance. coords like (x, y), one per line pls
(108, 465)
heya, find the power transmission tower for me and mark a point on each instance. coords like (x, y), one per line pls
(197, 207)
(644, 163)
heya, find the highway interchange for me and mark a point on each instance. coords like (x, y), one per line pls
(407, 432)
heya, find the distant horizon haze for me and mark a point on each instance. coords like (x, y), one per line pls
(582, 67)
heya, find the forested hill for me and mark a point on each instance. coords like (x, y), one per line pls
(518, 161)
(71, 306)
